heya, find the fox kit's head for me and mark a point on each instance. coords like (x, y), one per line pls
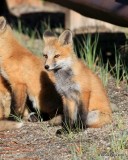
(58, 52)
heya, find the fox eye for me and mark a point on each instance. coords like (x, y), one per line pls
(56, 56)
(45, 56)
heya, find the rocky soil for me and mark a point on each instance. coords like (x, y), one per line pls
(38, 141)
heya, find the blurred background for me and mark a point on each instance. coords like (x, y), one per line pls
(29, 19)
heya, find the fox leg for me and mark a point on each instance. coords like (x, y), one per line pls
(70, 113)
(1, 112)
(9, 125)
(83, 108)
(19, 92)
(55, 121)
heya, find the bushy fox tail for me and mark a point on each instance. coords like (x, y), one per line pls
(96, 119)
(8, 125)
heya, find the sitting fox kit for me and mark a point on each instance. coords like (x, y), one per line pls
(84, 97)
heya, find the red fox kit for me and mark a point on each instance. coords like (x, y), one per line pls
(23, 71)
(83, 94)
(5, 102)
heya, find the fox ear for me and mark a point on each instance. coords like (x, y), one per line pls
(66, 37)
(3, 23)
(48, 35)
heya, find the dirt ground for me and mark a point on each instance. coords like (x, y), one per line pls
(38, 141)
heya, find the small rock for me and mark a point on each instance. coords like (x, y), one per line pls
(114, 107)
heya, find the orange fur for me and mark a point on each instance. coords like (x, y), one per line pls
(24, 73)
(59, 57)
(5, 99)
(5, 102)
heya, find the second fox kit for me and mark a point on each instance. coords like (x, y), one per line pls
(5, 102)
(83, 94)
(24, 72)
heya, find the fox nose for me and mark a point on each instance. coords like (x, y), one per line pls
(46, 67)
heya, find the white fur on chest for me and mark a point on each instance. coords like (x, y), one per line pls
(65, 85)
